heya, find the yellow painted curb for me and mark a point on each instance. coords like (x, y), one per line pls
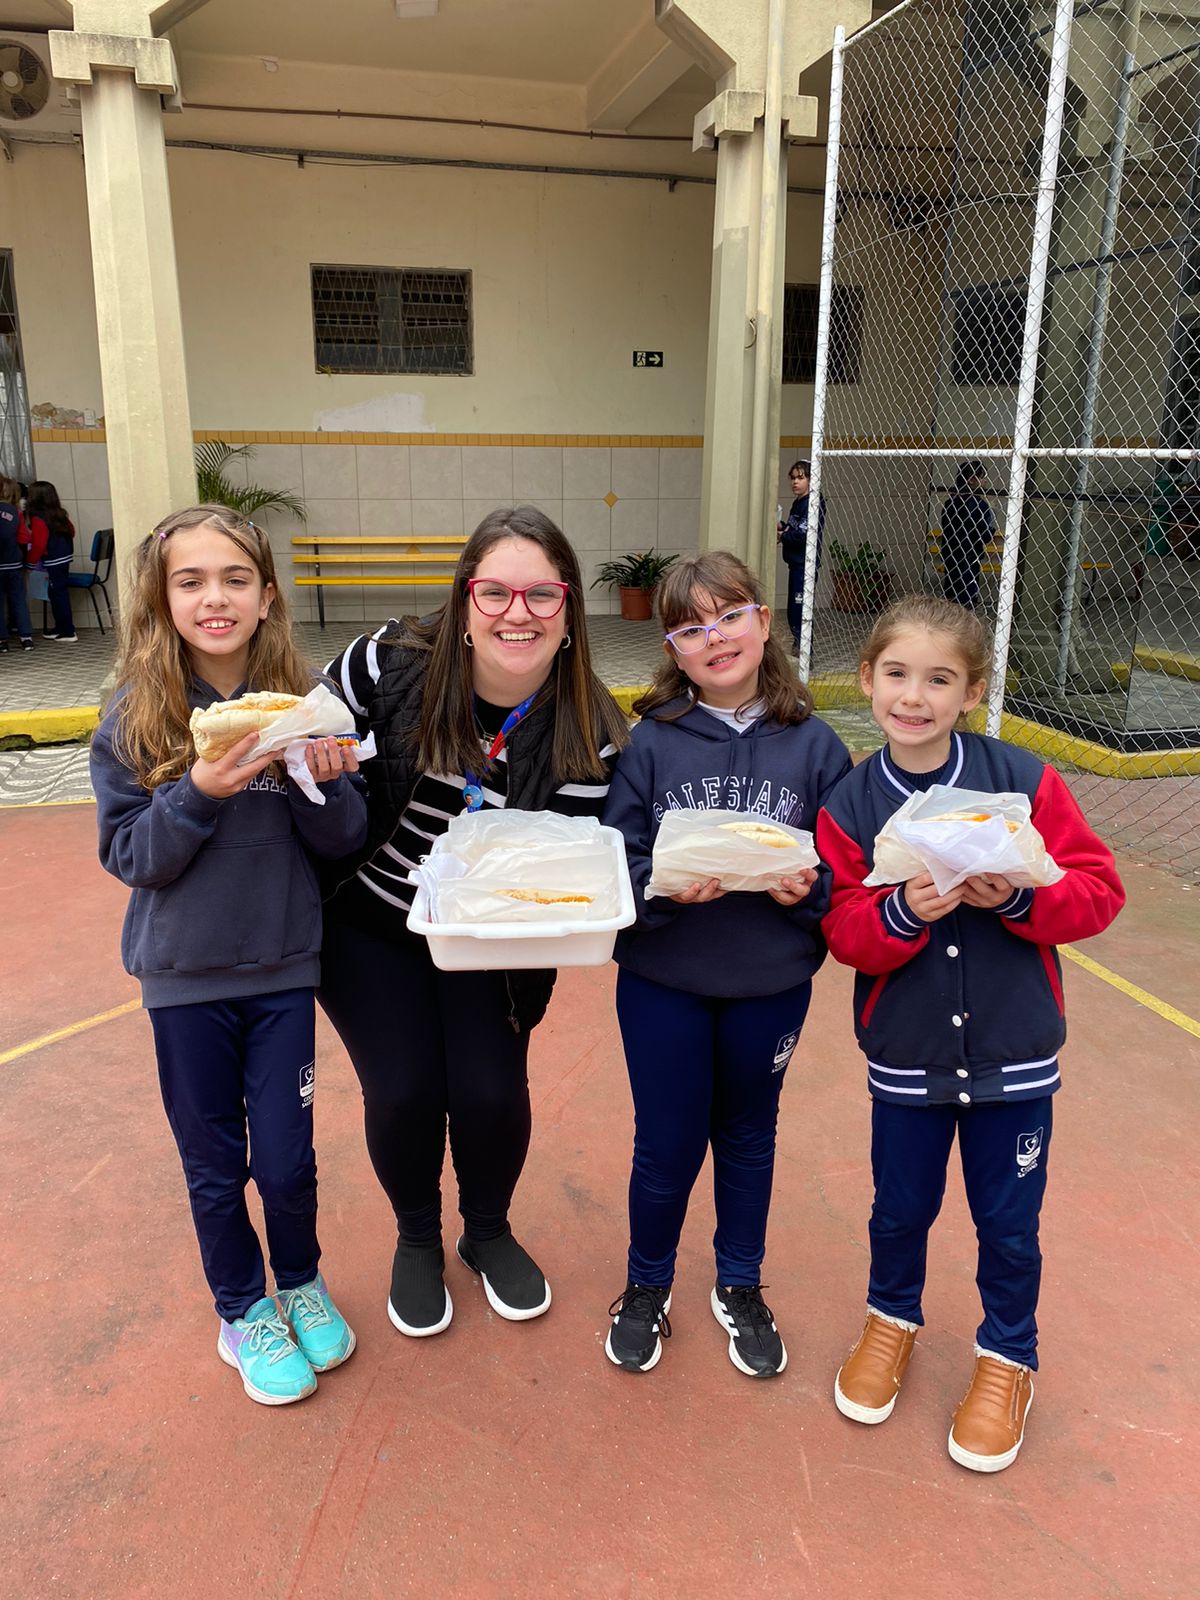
(1053, 745)
(832, 689)
(1174, 663)
(829, 690)
(60, 725)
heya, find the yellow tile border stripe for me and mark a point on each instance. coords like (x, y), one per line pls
(1143, 996)
(568, 441)
(68, 1032)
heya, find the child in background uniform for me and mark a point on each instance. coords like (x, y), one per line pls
(14, 537)
(958, 1007)
(53, 544)
(223, 929)
(713, 989)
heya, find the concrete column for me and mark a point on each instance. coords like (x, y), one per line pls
(756, 51)
(121, 84)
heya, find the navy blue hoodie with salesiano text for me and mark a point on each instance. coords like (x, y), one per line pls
(741, 945)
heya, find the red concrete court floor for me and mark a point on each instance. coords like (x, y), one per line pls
(507, 1460)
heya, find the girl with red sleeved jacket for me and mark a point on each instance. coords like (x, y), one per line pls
(958, 1007)
(53, 544)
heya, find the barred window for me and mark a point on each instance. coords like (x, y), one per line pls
(989, 327)
(392, 319)
(800, 305)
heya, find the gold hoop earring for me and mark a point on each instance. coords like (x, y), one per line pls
(468, 641)
(566, 644)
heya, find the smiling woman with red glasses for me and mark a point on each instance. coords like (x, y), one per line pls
(491, 702)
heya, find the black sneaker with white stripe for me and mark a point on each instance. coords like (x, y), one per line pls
(755, 1347)
(639, 1326)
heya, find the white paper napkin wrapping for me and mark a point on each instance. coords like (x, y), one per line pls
(693, 846)
(319, 715)
(482, 853)
(931, 833)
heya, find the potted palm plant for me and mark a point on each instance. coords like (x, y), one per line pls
(861, 581)
(215, 488)
(636, 575)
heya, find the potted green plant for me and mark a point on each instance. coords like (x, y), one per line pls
(861, 581)
(215, 488)
(636, 576)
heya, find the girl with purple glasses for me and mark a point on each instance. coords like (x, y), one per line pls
(713, 988)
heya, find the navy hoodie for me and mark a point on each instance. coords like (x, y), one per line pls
(741, 945)
(225, 900)
(12, 552)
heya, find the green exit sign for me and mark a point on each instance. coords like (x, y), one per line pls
(647, 358)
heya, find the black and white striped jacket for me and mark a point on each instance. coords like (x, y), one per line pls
(382, 682)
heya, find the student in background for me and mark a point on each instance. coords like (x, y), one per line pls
(14, 541)
(52, 546)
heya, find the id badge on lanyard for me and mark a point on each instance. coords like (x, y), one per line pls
(472, 791)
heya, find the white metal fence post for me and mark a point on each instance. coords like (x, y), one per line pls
(821, 370)
(1023, 419)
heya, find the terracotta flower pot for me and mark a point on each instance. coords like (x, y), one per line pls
(849, 594)
(637, 605)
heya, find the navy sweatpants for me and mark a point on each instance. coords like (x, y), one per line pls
(703, 1071)
(1003, 1149)
(224, 1066)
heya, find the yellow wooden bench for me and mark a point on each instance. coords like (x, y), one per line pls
(990, 565)
(413, 551)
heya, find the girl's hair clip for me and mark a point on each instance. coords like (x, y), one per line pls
(163, 532)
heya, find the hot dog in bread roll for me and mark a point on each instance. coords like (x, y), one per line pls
(217, 728)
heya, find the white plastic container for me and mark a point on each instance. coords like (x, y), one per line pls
(472, 947)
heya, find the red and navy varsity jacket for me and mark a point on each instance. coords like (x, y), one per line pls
(968, 1009)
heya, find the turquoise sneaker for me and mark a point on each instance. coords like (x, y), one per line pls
(323, 1334)
(260, 1345)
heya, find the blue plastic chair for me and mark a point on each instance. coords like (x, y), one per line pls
(101, 556)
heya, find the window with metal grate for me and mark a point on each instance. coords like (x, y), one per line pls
(392, 319)
(800, 305)
(989, 326)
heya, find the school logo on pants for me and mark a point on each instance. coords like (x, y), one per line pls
(784, 1049)
(1029, 1149)
(308, 1084)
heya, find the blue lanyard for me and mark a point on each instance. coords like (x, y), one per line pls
(472, 793)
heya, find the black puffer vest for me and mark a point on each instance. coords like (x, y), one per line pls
(391, 777)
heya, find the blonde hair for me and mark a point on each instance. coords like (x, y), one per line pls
(970, 637)
(726, 580)
(151, 735)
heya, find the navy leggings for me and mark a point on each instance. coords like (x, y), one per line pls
(224, 1066)
(1004, 1149)
(703, 1071)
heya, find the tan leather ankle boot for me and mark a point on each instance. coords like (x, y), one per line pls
(989, 1424)
(865, 1389)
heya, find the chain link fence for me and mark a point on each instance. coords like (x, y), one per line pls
(1012, 246)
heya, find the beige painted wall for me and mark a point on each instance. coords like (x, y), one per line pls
(570, 276)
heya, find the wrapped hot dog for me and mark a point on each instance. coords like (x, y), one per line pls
(955, 834)
(747, 853)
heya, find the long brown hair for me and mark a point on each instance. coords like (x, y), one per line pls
(587, 718)
(154, 669)
(42, 501)
(913, 612)
(719, 576)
